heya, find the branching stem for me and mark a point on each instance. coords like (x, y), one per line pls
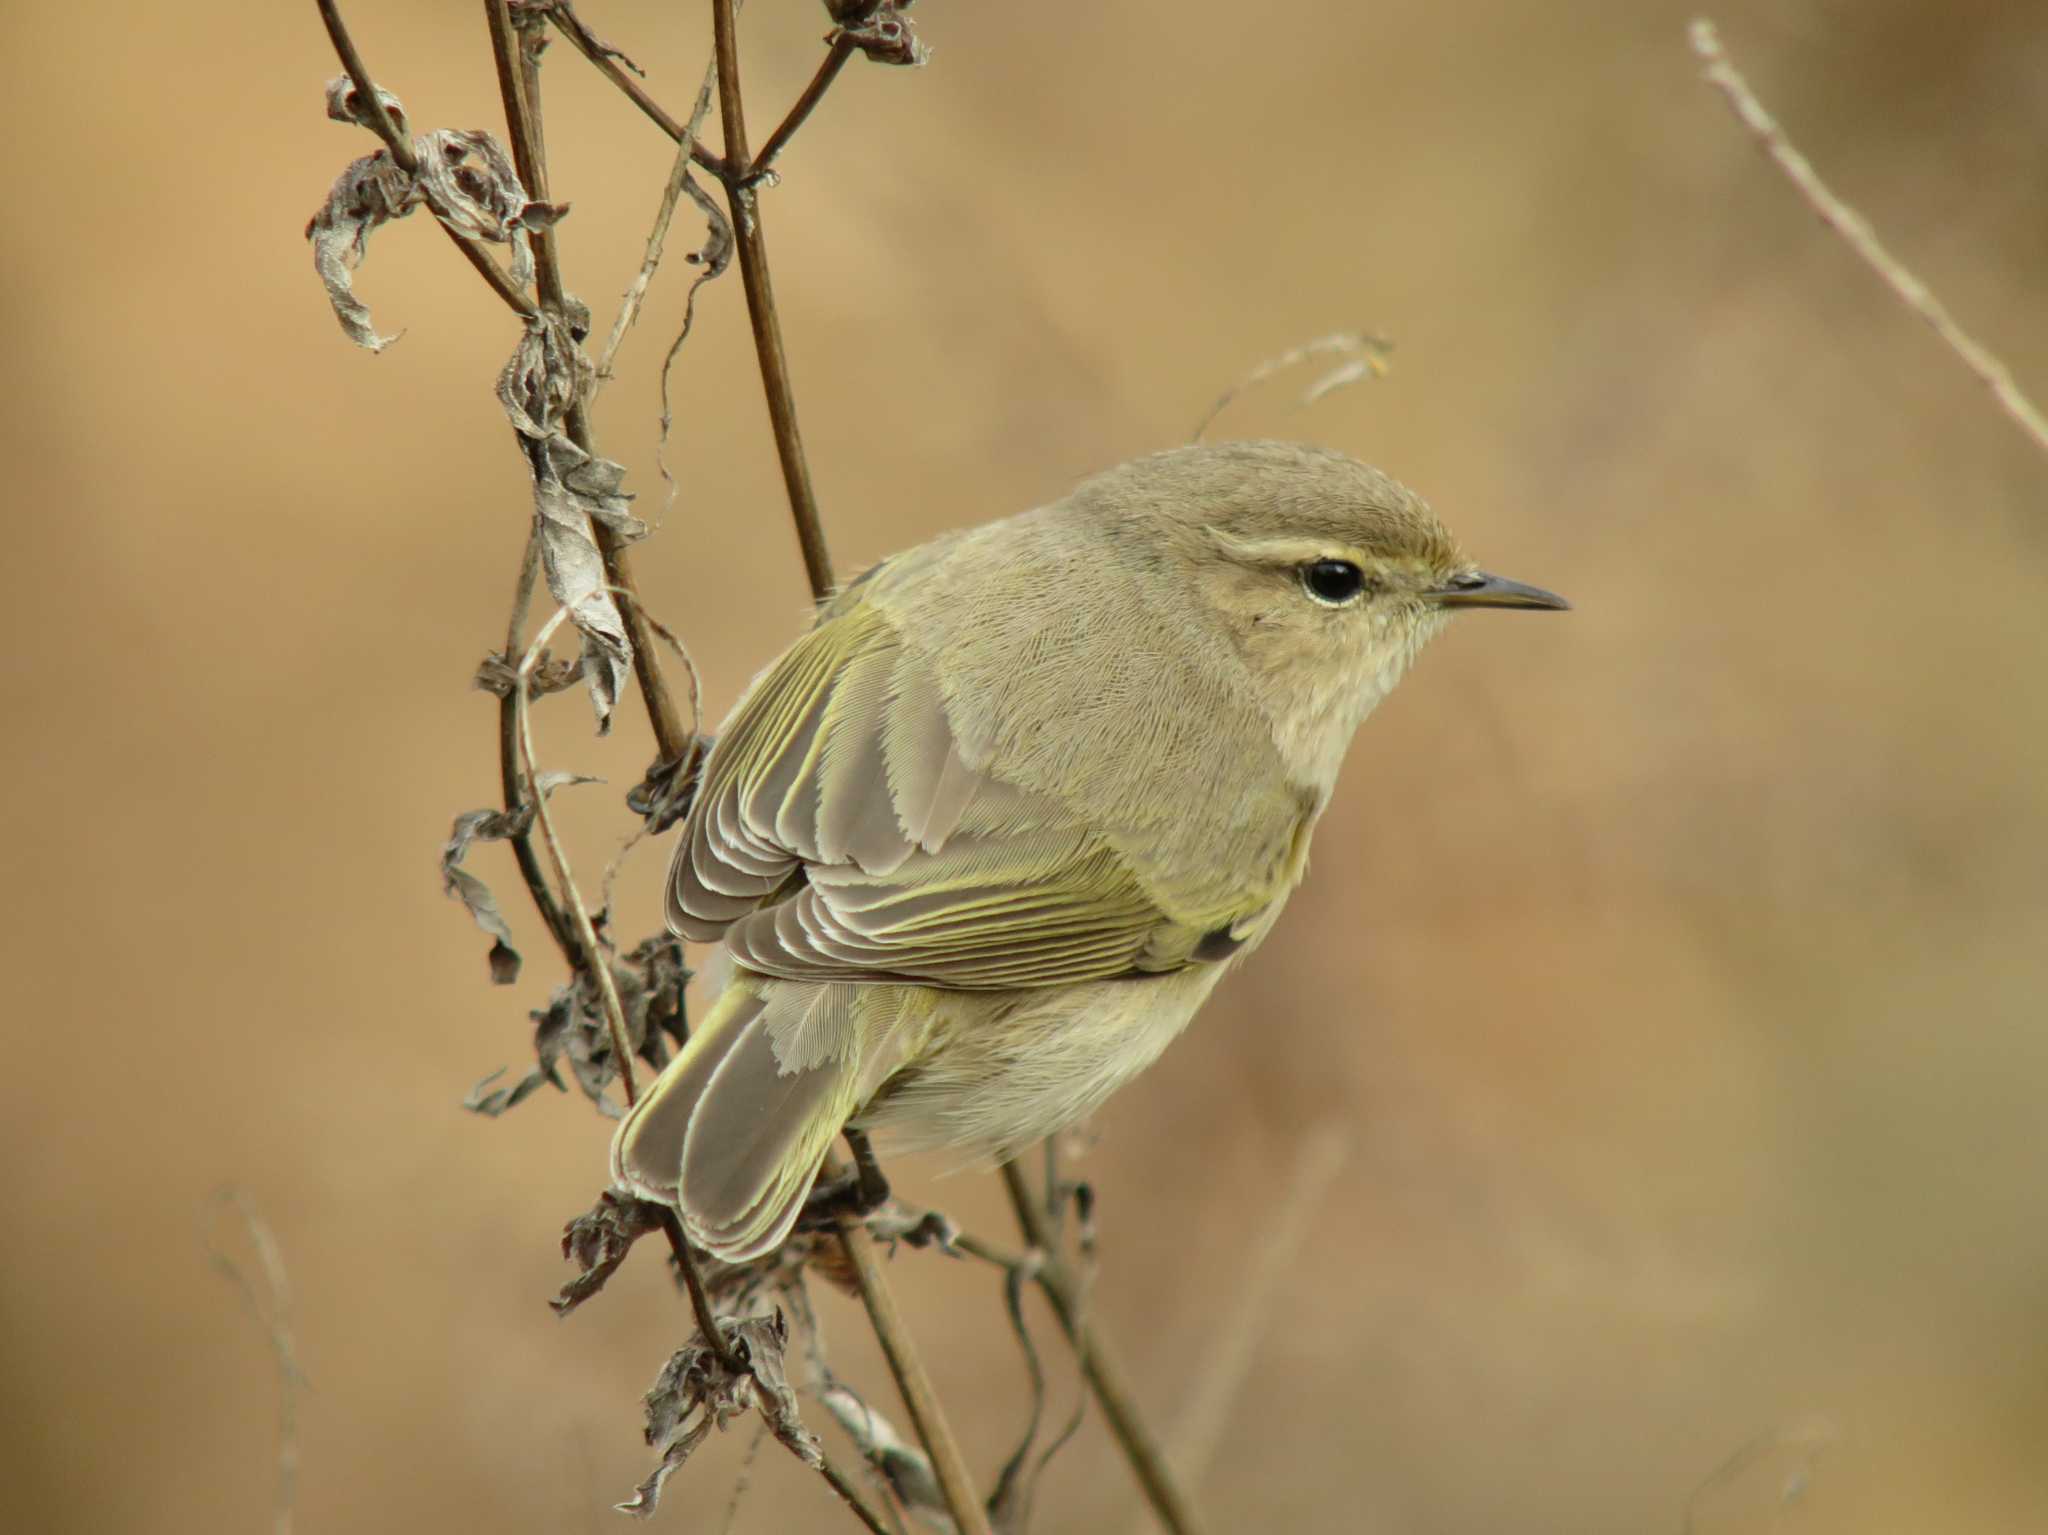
(1105, 1374)
(835, 60)
(753, 258)
(585, 42)
(519, 86)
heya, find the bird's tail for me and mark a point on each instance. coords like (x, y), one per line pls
(733, 1131)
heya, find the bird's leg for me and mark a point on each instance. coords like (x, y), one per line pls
(859, 1192)
(874, 1188)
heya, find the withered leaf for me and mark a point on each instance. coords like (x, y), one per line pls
(597, 1242)
(572, 489)
(471, 827)
(885, 34)
(649, 979)
(696, 1393)
(497, 675)
(464, 175)
(372, 191)
(474, 826)
(664, 796)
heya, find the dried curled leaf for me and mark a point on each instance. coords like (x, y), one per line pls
(882, 32)
(572, 1028)
(499, 675)
(572, 489)
(597, 1242)
(664, 796)
(464, 175)
(372, 191)
(696, 1393)
(470, 828)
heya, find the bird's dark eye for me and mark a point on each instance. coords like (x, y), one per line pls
(1332, 582)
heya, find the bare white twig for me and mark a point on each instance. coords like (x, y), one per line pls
(274, 1313)
(1364, 354)
(1856, 232)
(1202, 1423)
(636, 292)
(600, 967)
(1801, 1442)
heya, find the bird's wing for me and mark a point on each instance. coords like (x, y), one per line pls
(840, 834)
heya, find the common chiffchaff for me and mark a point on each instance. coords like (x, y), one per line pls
(981, 842)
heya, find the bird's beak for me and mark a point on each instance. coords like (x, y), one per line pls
(1477, 589)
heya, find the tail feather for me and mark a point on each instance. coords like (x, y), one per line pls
(731, 1135)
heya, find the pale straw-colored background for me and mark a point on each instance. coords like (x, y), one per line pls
(1675, 967)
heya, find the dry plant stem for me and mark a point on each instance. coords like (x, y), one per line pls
(1856, 232)
(600, 971)
(519, 85)
(835, 60)
(401, 152)
(753, 258)
(276, 1320)
(1234, 1352)
(585, 42)
(1105, 1374)
(852, 1497)
(515, 789)
(926, 1415)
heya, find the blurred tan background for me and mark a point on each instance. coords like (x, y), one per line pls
(1676, 968)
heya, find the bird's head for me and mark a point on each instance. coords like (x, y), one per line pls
(1327, 576)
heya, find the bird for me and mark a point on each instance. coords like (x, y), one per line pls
(981, 841)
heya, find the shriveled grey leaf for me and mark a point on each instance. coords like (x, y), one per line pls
(909, 1473)
(597, 1242)
(470, 183)
(664, 796)
(371, 192)
(464, 175)
(886, 35)
(492, 1101)
(346, 105)
(470, 828)
(650, 980)
(696, 1393)
(571, 490)
(495, 674)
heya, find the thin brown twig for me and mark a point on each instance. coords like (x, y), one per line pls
(600, 969)
(835, 59)
(927, 1415)
(1857, 234)
(519, 86)
(700, 1298)
(761, 310)
(838, 1481)
(275, 1317)
(949, 1465)
(1105, 1374)
(510, 780)
(1234, 1350)
(586, 42)
(402, 154)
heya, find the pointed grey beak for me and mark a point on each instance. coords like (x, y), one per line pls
(1477, 589)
